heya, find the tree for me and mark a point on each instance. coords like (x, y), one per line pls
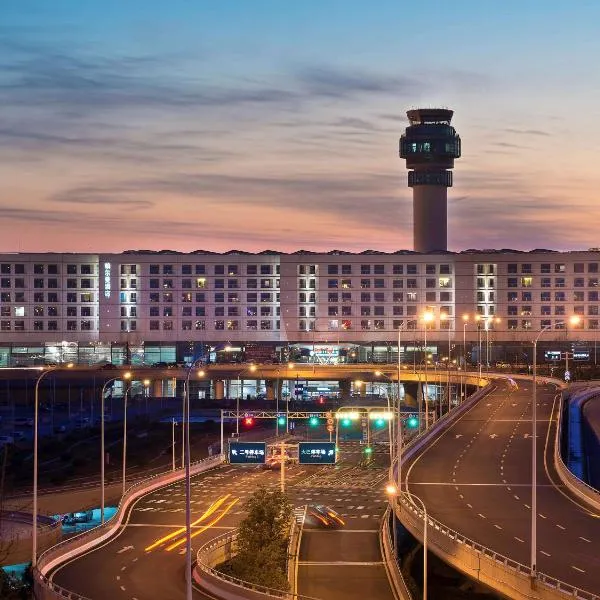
(263, 540)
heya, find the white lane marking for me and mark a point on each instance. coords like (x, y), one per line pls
(577, 569)
(585, 539)
(482, 516)
(543, 516)
(469, 505)
(560, 527)
(545, 553)
(124, 549)
(497, 526)
(519, 540)
(123, 568)
(118, 577)
(123, 588)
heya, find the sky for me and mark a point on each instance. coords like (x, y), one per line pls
(274, 124)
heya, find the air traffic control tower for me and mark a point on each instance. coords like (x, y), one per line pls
(430, 145)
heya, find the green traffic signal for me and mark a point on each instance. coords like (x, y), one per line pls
(412, 422)
(346, 422)
(379, 423)
(314, 421)
(368, 450)
(281, 420)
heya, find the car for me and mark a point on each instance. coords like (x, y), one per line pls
(325, 515)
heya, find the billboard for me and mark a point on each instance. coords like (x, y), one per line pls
(316, 453)
(247, 453)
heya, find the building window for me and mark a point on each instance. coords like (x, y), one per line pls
(430, 269)
(154, 325)
(398, 269)
(346, 269)
(200, 325)
(252, 325)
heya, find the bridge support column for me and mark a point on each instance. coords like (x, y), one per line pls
(157, 388)
(345, 389)
(219, 388)
(270, 389)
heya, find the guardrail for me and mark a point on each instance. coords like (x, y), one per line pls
(389, 556)
(225, 586)
(577, 486)
(45, 588)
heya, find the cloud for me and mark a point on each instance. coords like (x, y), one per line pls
(537, 132)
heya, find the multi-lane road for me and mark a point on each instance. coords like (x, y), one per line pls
(145, 559)
(476, 479)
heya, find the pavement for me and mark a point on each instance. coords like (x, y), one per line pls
(476, 479)
(145, 560)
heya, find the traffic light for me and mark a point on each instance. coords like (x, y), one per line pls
(379, 422)
(368, 450)
(412, 422)
(313, 421)
(281, 420)
(248, 421)
(346, 422)
(321, 400)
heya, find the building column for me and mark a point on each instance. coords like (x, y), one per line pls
(219, 388)
(270, 389)
(345, 389)
(279, 389)
(157, 388)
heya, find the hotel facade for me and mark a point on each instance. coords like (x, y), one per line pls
(145, 307)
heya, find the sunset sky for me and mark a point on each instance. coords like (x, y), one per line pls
(255, 124)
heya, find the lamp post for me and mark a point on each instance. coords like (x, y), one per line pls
(126, 375)
(188, 489)
(574, 320)
(35, 459)
(251, 368)
(146, 392)
(446, 318)
(427, 318)
(287, 404)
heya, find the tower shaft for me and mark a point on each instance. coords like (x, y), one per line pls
(429, 145)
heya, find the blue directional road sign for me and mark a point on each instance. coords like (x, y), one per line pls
(316, 453)
(246, 453)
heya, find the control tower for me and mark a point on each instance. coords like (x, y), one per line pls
(430, 145)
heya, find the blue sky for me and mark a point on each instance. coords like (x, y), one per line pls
(275, 124)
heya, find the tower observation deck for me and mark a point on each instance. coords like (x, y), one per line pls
(429, 145)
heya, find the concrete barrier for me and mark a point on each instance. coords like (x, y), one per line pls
(392, 568)
(577, 486)
(45, 588)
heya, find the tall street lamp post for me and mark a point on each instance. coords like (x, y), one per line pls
(35, 458)
(126, 376)
(188, 489)
(574, 320)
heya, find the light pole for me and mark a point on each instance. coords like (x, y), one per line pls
(574, 320)
(465, 319)
(35, 459)
(446, 318)
(126, 375)
(251, 368)
(188, 489)
(287, 404)
(146, 392)
(428, 317)
(478, 320)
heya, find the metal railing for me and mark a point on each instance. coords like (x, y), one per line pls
(214, 547)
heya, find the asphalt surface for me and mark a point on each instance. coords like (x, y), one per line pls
(476, 479)
(334, 563)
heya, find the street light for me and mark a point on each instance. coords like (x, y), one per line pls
(428, 317)
(252, 369)
(446, 318)
(126, 375)
(188, 490)
(146, 383)
(489, 321)
(574, 320)
(35, 458)
(287, 404)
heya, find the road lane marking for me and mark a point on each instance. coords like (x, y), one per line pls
(497, 526)
(482, 516)
(585, 539)
(339, 563)
(577, 569)
(519, 540)
(560, 527)
(545, 553)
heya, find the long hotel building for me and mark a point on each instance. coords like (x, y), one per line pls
(149, 307)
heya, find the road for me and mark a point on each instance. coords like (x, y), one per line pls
(476, 479)
(139, 562)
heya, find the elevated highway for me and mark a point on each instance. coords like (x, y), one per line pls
(475, 478)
